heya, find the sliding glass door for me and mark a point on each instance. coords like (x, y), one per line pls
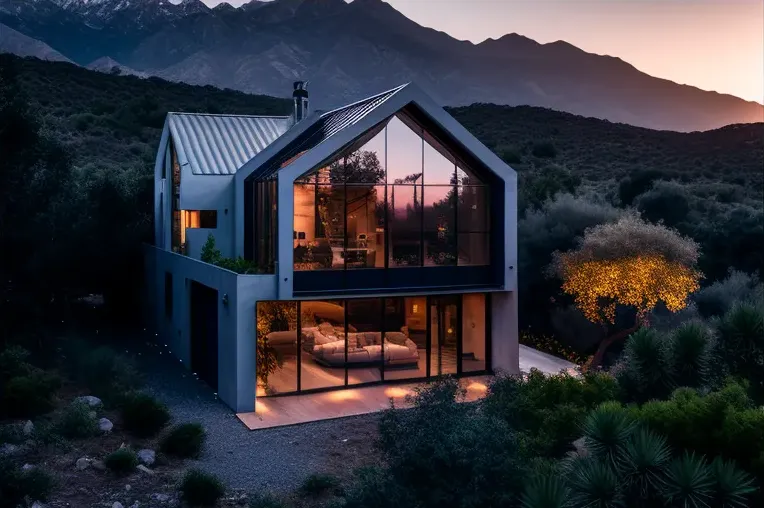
(330, 344)
(444, 335)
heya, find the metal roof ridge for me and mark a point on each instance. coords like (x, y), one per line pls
(392, 91)
(229, 115)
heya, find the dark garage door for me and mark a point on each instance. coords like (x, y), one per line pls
(204, 333)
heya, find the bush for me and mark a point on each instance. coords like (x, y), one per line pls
(106, 373)
(201, 489)
(77, 421)
(722, 423)
(17, 486)
(718, 298)
(29, 395)
(544, 150)
(184, 440)
(548, 409)
(143, 415)
(741, 345)
(121, 461)
(445, 453)
(376, 487)
(318, 484)
(666, 201)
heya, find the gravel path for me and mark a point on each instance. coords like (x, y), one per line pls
(277, 459)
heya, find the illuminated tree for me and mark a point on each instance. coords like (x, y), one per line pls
(629, 263)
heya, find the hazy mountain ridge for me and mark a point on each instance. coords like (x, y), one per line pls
(348, 51)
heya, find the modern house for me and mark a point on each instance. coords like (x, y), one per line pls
(383, 238)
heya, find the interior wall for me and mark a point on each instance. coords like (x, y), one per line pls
(474, 325)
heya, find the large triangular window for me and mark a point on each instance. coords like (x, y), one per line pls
(396, 197)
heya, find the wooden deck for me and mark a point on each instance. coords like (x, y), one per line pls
(294, 409)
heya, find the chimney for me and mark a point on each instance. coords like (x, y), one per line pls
(300, 97)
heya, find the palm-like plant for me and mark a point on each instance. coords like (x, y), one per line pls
(689, 482)
(691, 355)
(741, 344)
(646, 370)
(594, 484)
(643, 465)
(731, 485)
(606, 430)
(545, 491)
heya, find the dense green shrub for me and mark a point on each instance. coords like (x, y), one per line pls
(544, 149)
(740, 345)
(198, 488)
(548, 409)
(445, 453)
(106, 373)
(722, 423)
(28, 395)
(121, 461)
(666, 201)
(319, 484)
(654, 363)
(17, 486)
(143, 415)
(637, 183)
(77, 421)
(718, 298)
(184, 440)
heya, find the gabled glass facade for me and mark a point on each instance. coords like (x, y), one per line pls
(399, 208)
(397, 198)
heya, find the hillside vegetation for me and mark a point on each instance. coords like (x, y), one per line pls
(574, 173)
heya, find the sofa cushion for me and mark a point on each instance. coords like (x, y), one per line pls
(283, 337)
(326, 329)
(373, 338)
(396, 338)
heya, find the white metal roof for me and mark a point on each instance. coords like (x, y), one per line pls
(221, 144)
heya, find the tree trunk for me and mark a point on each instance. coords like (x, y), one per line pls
(607, 341)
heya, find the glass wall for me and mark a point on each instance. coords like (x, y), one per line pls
(310, 345)
(395, 198)
(266, 223)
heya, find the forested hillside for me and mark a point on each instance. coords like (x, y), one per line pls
(80, 226)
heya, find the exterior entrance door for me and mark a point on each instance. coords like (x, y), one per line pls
(444, 335)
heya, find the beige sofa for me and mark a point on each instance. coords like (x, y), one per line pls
(363, 347)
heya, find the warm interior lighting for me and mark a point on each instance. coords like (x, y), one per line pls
(260, 392)
(261, 408)
(415, 309)
(477, 387)
(397, 393)
(343, 395)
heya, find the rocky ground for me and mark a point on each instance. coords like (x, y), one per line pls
(275, 460)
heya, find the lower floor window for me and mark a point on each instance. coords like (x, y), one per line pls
(310, 345)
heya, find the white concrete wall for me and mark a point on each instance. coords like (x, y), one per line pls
(505, 352)
(209, 192)
(236, 318)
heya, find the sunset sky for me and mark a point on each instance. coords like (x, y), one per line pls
(712, 44)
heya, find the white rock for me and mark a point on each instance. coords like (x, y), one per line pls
(38, 504)
(161, 498)
(9, 449)
(147, 457)
(128, 487)
(90, 400)
(144, 469)
(117, 504)
(105, 425)
(82, 463)
(27, 467)
(99, 465)
(135, 505)
(28, 428)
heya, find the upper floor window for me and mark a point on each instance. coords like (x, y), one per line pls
(397, 197)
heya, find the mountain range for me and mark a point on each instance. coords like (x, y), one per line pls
(351, 50)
